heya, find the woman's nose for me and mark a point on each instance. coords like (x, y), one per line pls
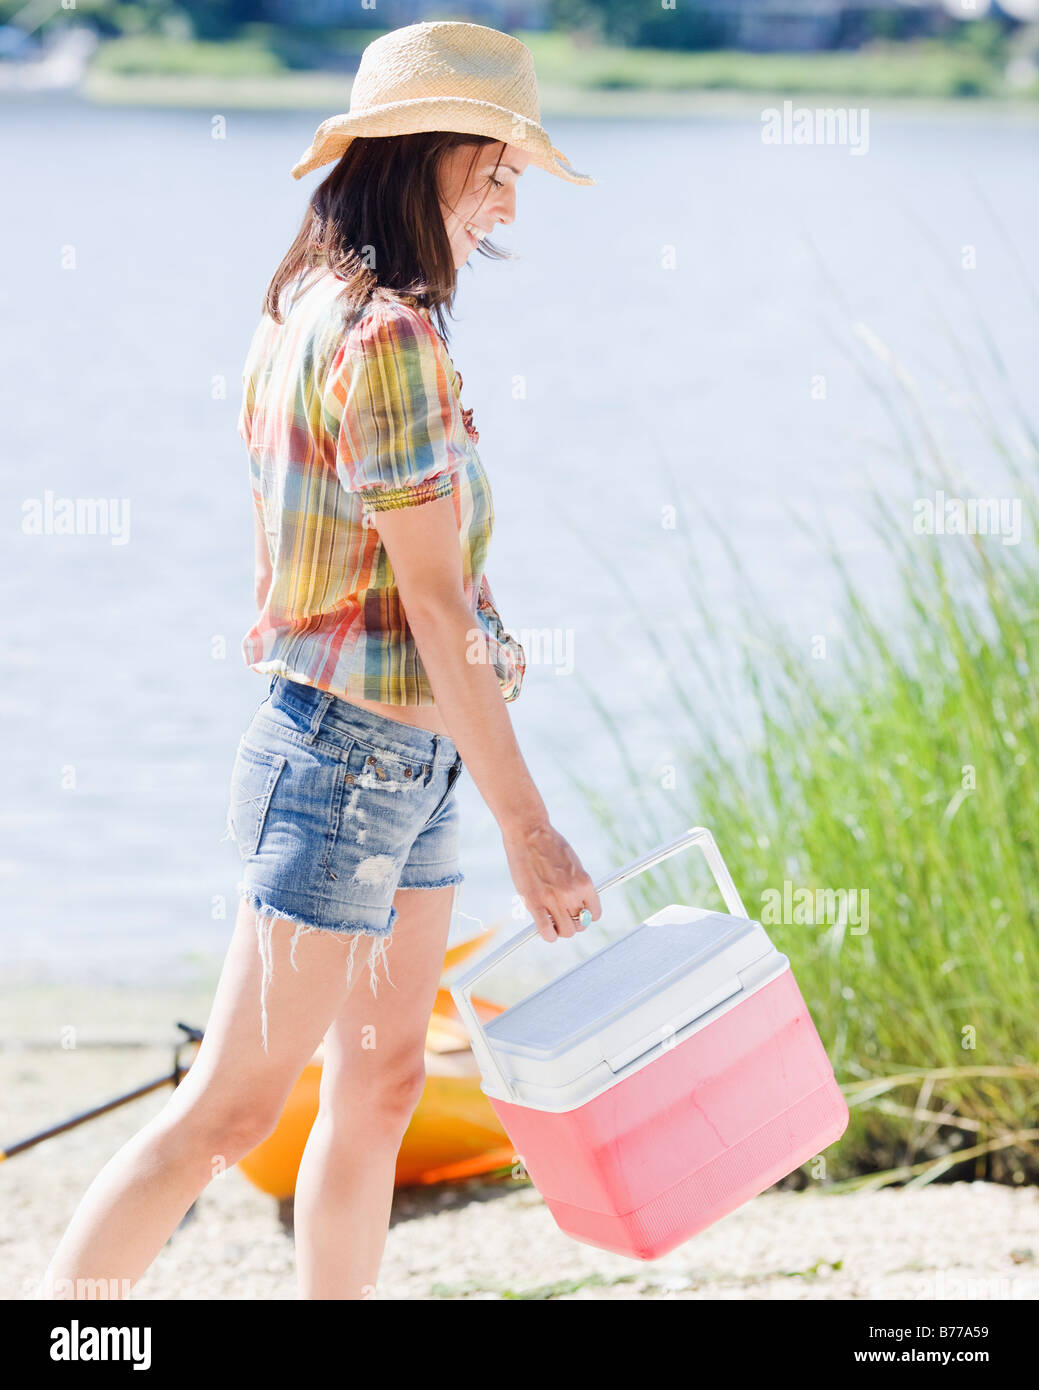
(505, 208)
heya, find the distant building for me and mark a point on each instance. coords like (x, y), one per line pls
(755, 25)
(806, 25)
(394, 14)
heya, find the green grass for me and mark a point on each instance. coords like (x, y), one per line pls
(924, 68)
(153, 55)
(905, 763)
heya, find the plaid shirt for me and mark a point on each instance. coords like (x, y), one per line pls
(346, 414)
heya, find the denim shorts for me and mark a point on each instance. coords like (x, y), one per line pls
(333, 808)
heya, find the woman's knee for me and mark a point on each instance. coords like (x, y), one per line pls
(226, 1127)
(401, 1090)
(383, 1093)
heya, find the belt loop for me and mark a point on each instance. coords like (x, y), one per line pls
(320, 710)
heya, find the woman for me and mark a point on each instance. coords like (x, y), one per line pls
(389, 667)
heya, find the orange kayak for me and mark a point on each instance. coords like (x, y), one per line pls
(454, 1132)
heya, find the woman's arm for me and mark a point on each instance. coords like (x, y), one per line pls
(422, 544)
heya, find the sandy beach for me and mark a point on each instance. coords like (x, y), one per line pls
(477, 1240)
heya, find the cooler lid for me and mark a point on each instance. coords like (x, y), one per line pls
(627, 1001)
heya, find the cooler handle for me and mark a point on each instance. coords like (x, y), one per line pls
(461, 990)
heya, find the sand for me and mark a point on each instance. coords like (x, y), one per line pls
(477, 1240)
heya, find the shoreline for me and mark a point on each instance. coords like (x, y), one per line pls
(37, 1016)
(323, 91)
(66, 1048)
(487, 1239)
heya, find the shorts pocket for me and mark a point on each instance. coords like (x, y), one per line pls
(253, 779)
(377, 768)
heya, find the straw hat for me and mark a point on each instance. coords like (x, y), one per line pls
(443, 76)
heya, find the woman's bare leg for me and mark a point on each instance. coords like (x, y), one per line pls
(230, 1099)
(371, 1081)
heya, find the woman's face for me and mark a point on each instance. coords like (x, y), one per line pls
(481, 198)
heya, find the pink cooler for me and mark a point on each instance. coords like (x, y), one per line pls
(665, 1080)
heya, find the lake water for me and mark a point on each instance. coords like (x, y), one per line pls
(683, 333)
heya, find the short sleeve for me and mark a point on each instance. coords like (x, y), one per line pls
(401, 434)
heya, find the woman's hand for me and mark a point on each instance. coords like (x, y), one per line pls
(550, 879)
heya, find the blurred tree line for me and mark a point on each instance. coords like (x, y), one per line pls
(641, 23)
(205, 19)
(690, 25)
(697, 26)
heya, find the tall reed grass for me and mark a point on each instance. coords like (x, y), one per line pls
(907, 765)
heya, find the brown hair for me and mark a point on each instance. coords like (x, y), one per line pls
(376, 222)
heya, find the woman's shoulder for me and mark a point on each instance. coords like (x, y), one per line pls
(389, 313)
(391, 329)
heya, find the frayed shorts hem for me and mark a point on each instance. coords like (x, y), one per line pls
(266, 914)
(265, 907)
(448, 881)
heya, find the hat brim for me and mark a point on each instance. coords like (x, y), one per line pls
(465, 115)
